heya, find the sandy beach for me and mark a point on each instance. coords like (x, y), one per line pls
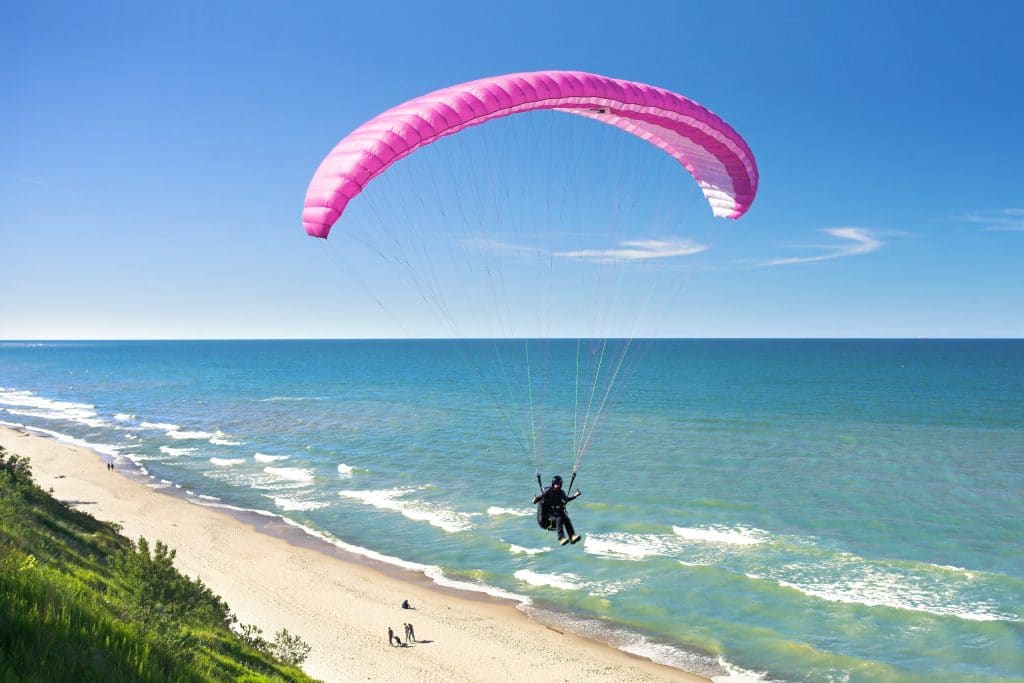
(339, 603)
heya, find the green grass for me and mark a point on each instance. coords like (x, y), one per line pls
(79, 602)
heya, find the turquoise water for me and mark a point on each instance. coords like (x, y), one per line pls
(776, 510)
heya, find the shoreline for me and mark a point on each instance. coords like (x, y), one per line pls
(277, 575)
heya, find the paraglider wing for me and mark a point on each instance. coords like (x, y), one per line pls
(714, 154)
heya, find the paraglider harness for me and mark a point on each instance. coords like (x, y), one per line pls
(543, 521)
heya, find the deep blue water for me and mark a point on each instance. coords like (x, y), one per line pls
(787, 510)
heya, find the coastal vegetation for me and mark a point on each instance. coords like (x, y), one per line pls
(80, 602)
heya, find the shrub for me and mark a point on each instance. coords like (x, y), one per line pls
(289, 648)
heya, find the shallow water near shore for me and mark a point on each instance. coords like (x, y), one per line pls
(783, 510)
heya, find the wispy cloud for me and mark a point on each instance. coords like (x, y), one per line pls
(856, 241)
(629, 250)
(23, 179)
(1004, 220)
(636, 250)
(492, 246)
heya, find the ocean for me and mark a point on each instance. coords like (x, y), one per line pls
(783, 510)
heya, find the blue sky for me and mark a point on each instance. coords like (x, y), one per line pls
(154, 157)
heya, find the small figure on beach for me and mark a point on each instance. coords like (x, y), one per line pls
(410, 635)
(392, 637)
(406, 605)
(552, 514)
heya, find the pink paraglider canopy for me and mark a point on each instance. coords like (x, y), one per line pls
(717, 157)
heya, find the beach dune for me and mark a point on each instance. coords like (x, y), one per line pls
(339, 603)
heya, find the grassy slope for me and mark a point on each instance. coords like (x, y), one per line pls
(80, 602)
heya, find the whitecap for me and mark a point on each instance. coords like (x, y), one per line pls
(566, 582)
(737, 535)
(436, 515)
(518, 549)
(844, 577)
(176, 452)
(162, 426)
(624, 546)
(496, 511)
(193, 435)
(227, 462)
(274, 399)
(345, 470)
(876, 589)
(219, 439)
(604, 589)
(30, 405)
(82, 418)
(102, 448)
(262, 457)
(290, 504)
(124, 417)
(290, 473)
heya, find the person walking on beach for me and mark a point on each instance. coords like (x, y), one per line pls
(410, 635)
(553, 500)
(392, 637)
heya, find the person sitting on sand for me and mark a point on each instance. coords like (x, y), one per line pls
(406, 605)
(553, 500)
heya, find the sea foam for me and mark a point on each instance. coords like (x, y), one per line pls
(290, 473)
(738, 535)
(865, 583)
(176, 452)
(495, 511)
(518, 549)
(220, 439)
(630, 546)
(191, 435)
(28, 404)
(695, 543)
(393, 499)
(290, 504)
(566, 582)
(263, 457)
(162, 426)
(103, 448)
